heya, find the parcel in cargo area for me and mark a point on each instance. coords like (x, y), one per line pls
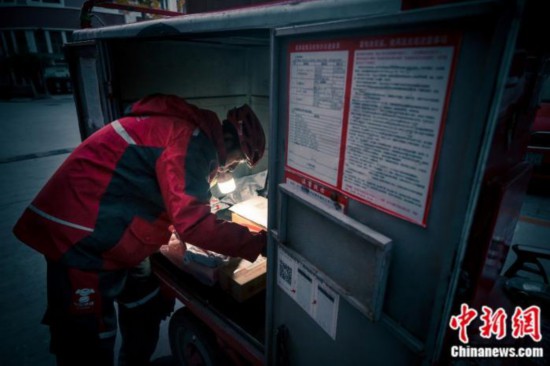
(240, 278)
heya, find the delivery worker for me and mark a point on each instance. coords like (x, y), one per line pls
(109, 206)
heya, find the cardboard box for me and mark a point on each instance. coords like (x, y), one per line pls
(251, 225)
(243, 279)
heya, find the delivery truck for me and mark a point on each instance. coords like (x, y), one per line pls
(394, 171)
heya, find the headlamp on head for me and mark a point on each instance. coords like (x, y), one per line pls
(226, 183)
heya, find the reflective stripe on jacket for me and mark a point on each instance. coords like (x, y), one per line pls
(110, 203)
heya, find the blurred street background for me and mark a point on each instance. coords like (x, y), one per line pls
(37, 135)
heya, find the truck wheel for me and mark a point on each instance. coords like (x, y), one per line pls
(193, 343)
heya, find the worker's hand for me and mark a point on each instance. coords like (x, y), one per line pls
(174, 240)
(175, 249)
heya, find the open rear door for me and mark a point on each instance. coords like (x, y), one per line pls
(89, 85)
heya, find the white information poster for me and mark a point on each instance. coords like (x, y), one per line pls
(286, 273)
(316, 110)
(326, 308)
(317, 299)
(366, 117)
(397, 101)
(304, 289)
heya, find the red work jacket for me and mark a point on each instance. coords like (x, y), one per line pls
(110, 203)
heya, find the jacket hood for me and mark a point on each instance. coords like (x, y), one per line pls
(172, 105)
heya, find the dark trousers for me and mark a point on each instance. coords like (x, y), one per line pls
(83, 321)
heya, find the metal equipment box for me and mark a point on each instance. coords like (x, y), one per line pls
(380, 121)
